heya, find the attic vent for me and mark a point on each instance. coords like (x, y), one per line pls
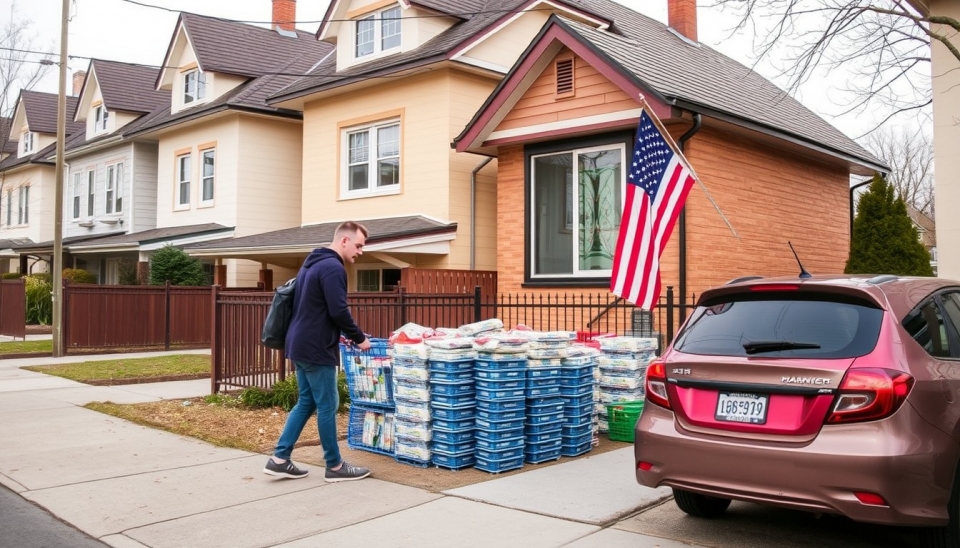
(565, 76)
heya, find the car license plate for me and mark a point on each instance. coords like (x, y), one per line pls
(742, 407)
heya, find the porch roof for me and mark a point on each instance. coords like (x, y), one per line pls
(46, 248)
(149, 240)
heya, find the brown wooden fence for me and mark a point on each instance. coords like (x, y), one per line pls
(13, 308)
(448, 282)
(101, 316)
(239, 360)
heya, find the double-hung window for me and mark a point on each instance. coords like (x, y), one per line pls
(9, 207)
(194, 86)
(183, 180)
(27, 142)
(207, 159)
(377, 32)
(77, 194)
(100, 118)
(576, 199)
(23, 209)
(114, 189)
(372, 159)
(91, 189)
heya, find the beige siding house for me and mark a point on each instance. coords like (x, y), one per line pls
(225, 158)
(378, 119)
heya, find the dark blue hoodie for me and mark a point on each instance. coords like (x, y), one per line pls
(320, 311)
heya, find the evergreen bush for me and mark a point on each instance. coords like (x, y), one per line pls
(127, 272)
(39, 299)
(170, 263)
(78, 276)
(885, 241)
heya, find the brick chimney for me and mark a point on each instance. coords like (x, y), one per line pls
(682, 17)
(78, 78)
(284, 14)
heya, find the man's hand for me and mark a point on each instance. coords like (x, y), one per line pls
(365, 345)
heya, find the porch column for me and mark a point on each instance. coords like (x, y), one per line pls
(23, 265)
(266, 277)
(220, 275)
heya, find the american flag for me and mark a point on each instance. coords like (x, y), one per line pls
(657, 186)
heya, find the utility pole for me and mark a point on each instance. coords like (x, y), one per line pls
(57, 276)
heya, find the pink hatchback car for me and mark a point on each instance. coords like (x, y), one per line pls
(827, 394)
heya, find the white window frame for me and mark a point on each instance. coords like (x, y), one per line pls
(574, 203)
(23, 207)
(9, 207)
(372, 162)
(91, 191)
(113, 189)
(199, 89)
(183, 184)
(77, 182)
(205, 179)
(380, 23)
(27, 141)
(101, 116)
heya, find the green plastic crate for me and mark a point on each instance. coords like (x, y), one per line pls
(622, 419)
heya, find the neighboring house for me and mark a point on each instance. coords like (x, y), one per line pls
(927, 231)
(9, 260)
(226, 158)
(562, 125)
(110, 183)
(378, 118)
(27, 181)
(8, 146)
(945, 70)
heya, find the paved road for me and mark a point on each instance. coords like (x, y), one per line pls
(26, 525)
(751, 525)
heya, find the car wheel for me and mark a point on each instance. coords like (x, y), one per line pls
(948, 536)
(700, 506)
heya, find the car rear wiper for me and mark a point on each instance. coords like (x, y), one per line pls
(755, 347)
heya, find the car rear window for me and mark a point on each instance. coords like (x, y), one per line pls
(840, 327)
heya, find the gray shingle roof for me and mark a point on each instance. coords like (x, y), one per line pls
(129, 87)
(13, 242)
(321, 234)
(694, 76)
(41, 111)
(48, 245)
(271, 61)
(155, 235)
(6, 144)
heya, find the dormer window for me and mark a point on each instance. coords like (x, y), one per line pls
(194, 86)
(27, 142)
(378, 32)
(101, 115)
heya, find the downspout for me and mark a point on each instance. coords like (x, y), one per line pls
(473, 212)
(682, 222)
(852, 189)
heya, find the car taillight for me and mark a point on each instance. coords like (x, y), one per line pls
(657, 384)
(870, 394)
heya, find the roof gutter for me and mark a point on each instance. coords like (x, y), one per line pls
(473, 211)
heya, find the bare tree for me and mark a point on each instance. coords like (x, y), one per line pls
(885, 44)
(910, 157)
(22, 62)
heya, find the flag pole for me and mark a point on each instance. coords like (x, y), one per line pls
(693, 172)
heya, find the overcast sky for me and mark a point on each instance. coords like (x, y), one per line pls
(122, 30)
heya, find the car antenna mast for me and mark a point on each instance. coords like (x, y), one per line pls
(803, 271)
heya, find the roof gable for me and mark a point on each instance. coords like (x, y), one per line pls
(40, 111)
(128, 88)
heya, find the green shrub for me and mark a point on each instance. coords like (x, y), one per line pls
(256, 398)
(127, 272)
(11, 276)
(285, 393)
(223, 400)
(170, 263)
(344, 391)
(78, 276)
(39, 299)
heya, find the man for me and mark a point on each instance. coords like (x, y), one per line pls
(320, 314)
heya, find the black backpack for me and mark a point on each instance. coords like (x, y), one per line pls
(278, 318)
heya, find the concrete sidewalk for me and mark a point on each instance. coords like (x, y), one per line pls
(132, 486)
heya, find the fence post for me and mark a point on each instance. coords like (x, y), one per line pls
(403, 306)
(64, 318)
(166, 317)
(215, 341)
(477, 313)
(670, 305)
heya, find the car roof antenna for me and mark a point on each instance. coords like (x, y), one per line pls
(803, 272)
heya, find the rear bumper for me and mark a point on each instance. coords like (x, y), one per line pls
(903, 459)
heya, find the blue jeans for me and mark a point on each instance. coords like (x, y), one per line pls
(318, 393)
